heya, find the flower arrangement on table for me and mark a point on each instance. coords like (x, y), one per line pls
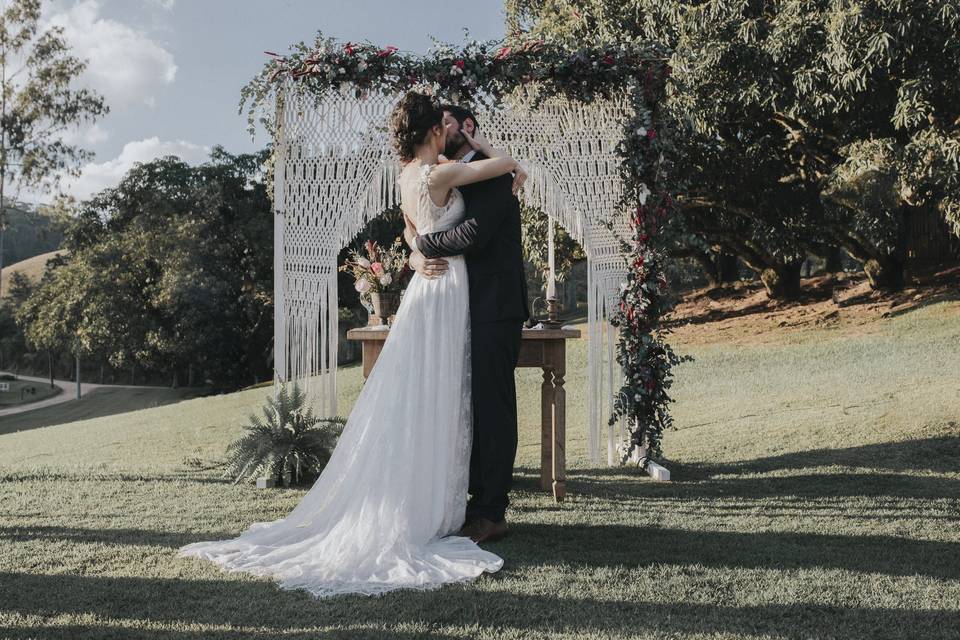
(380, 275)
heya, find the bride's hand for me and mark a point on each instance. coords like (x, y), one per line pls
(520, 176)
(477, 141)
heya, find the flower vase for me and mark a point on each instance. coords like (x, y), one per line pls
(385, 304)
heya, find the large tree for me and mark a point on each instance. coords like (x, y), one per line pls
(775, 102)
(38, 104)
(170, 271)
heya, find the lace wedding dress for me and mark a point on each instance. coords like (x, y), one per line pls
(396, 485)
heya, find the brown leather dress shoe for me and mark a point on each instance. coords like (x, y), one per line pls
(483, 530)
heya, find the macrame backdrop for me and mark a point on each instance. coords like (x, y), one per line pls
(335, 170)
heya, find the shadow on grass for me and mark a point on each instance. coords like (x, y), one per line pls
(133, 537)
(938, 455)
(257, 609)
(96, 403)
(532, 545)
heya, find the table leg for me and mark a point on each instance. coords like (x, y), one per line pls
(371, 351)
(559, 462)
(546, 430)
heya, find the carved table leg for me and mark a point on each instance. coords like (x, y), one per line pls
(558, 468)
(546, 430)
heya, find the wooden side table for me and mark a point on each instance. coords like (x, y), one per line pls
(545, 349)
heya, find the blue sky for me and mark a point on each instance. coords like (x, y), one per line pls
(171, 70)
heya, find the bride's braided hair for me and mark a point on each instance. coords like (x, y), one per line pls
(412, 118)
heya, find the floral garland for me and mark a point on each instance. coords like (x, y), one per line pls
(486, 72)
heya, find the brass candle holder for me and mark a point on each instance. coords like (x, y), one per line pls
(551, 321)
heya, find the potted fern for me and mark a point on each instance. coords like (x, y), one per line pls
(288, 444)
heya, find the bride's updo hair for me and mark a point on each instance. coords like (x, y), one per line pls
(411, 120)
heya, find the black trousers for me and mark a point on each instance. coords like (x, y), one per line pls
(495, 348)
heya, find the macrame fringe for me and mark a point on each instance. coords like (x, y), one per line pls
(335, 171)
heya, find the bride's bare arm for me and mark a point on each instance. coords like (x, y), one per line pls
(456, 174)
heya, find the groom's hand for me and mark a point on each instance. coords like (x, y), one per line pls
(427, 267)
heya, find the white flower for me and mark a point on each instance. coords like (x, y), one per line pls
(644, 193)
(455, 70)
(386, 279)
(363, 262)
(362, 285)
(642, 131)
(361, 66)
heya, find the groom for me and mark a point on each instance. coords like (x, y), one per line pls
(490, 239)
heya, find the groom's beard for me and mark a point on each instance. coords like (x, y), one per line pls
(453, 145)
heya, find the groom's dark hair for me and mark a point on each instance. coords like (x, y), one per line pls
(460, 114)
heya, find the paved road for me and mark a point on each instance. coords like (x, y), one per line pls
(68, 392)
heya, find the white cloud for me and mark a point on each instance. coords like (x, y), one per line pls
(85, 135)
(97, 176)
(166, 5)
(124, 64)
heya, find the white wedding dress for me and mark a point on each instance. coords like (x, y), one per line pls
(396, 485)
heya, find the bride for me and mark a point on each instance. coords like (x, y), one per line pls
(385, 512)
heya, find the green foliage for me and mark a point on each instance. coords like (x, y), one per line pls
(173, 268)
(535, 228)
(769, 100)
(288, 439)
(38, 105)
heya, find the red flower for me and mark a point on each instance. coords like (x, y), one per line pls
(649, 384)
(459, 64)
(386, 52)
(608, 60)
(348, 48)
(644, 237)
(651, 134)
(503, 53)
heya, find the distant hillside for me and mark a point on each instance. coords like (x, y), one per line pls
(30, 232)
(31, 267)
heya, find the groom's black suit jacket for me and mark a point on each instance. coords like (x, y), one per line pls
(490, 239)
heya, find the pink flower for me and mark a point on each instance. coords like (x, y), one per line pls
(363, 262)
(348, 48)
(503, 53)
(386, 52)
(608, 60)
(651, 134)
(459, 64)
(377, 268)
(362, 285)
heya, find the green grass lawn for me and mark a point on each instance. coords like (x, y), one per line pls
(816, 494)
(26, 391)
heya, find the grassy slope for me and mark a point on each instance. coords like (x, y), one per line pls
(816, 494)
(31, 267)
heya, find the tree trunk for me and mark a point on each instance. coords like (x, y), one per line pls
(704, 260)
(173, 385)
(885, 272)
(834, 260)
(728, 267)
(782, 281)
(101, 374)
(133, 368)
(50, 366)
(190, 375)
